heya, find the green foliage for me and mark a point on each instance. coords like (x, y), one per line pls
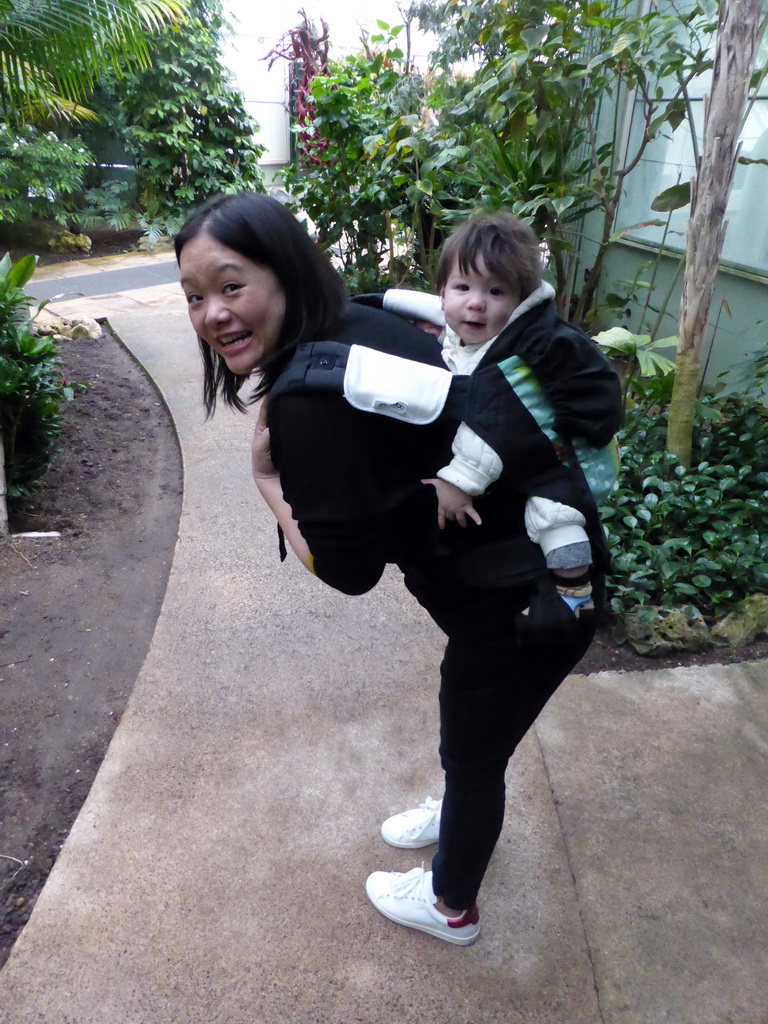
(344, 185)
(40, 175)
(752, 376)
(376, 187)
(547, 72)
(637, 348)
(691, 537)
(31, 385)
(647, 374)
(186, 127)
(537, 128)
(113, 203)
(53, 51)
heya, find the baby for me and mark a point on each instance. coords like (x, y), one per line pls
(489, 278)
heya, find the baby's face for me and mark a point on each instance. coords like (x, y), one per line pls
(477, 304)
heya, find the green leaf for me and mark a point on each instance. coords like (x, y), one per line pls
(676, 113)
(684, 588)
(673, 198)
(700, 580)
(534, 37)
(22, 271)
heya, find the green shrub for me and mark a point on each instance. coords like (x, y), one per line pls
(31, 385)
(691, 537)
(348, 195)
(187, 128)
(40, 175)
(371, 168)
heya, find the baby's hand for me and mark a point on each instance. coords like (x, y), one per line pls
(453, 504)
(429, 328)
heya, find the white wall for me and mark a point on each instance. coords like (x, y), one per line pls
(258, 27)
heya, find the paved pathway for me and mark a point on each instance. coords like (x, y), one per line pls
(215, 874)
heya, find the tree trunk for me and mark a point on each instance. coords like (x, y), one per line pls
(737, 44)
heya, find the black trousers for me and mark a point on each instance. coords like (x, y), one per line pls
(491, 692)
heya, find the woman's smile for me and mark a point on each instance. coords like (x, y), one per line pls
(235, 305)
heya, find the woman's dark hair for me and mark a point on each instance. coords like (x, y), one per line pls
(507, 246)
(261, 229)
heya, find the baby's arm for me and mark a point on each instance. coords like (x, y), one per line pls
(421, 307)
(557, 528)
(474, 467)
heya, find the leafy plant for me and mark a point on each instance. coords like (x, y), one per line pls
(52, 51)
(369, 172)
(31, 386)
(40, 175)
(187, 128)
(349, 196)
(551, 85)
(113, 203)
(753, 376)
(639, 362)
(691, 536)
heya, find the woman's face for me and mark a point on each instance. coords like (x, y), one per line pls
(235, 305)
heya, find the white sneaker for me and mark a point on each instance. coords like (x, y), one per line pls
(410, 830)
(409, 899)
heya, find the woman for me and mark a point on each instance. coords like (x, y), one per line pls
(345, 487)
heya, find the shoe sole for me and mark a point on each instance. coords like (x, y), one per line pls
(438, 933)
(417, 844)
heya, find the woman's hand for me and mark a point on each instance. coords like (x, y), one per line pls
(268, 482)
(261, 456)
(453, 504)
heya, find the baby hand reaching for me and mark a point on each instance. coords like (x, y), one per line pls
(429, 328)
(453, 504)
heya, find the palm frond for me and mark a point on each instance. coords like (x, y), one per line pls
(74, 41)
(154, 14)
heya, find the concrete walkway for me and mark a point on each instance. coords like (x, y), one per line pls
(215, 874)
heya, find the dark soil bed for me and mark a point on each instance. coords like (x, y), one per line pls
(77, 613)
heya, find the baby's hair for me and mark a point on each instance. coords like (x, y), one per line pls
(507, 246)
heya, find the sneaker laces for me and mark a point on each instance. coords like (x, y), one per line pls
(433, 808)
(411, 882)
(430, 805)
